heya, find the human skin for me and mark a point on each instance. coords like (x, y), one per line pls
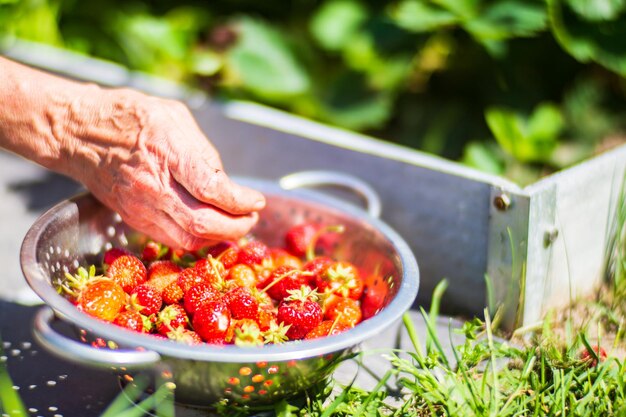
(142, 156)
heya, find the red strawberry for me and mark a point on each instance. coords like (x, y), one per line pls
(190, 277)
(253, 253)
(112, 254)
(283, 280)
(281, 257)
(212, 320)
(102, 298)
(299, 237)
(225, 252)
(128, 271)
(153, 251)
(242, 275)
(341, 278)
(133, 320)
(211, 270)
(145, 299)
(241, 303)
(198, 295)
(316, 267)
(585, 355)
(374, 296)
(162, 273)
(301, 312)
(170, 318)
(326, 328)
(343, 310)
(172, 293)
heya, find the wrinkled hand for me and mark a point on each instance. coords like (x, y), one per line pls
(146, 158)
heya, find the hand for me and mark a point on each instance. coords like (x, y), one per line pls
(146, 158)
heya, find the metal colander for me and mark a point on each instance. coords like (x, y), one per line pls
(77, 231)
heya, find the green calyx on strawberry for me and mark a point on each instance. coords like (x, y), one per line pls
(171, 317)
(276, 334)
(186, 336)
(74, 284)
(341, 278)
(248, 335)
(301, 311)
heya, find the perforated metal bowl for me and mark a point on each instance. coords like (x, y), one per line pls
(77, 231)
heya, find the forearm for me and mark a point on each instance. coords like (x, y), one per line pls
(51, 120)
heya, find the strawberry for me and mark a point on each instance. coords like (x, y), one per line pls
(212, 320)
(170, 318)
(587, 356)
(211, 270)
(172, 294)
(281, 257)
(344, 310)
(253, 253)
(145, 299)
(242, 275)
(241, 303)
(133, 320)
(198, 295)
(267, 316)
(282, 280)
(299, 237)
(128, 271)
(341, 278)
(326, 328)
(162, 273)
(112, 254)
(186, 336)
(188, 278)
(374, 296)
(102, 298)
(316, 267)
(153, 251)
(245, 332)
(225, 252)
(301, 312)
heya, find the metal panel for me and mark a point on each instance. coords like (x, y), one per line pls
(580, 202)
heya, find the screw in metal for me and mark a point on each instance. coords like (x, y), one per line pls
(502, 202)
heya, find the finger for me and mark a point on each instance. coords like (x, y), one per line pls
(169, 233)
(212, 186)
(205, 221)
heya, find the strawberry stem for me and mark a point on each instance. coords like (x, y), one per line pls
(285, 275)
(310, 249)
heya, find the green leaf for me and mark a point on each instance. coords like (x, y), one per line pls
(508, 19)
(506, 127)
(262, 62)
(205, 62)
(418, 16)
(336, 22)
(284, 409)
(601, 42)
(352, 104)
(597, 9)
(481, 156)
(546, 123)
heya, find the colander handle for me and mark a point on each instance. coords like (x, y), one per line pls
(337, 179)
(84, 354)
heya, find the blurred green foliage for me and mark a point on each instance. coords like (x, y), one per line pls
(514, 87)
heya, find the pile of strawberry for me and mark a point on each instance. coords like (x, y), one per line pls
(244, 293)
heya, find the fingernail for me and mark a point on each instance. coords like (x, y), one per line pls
(259, 205)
